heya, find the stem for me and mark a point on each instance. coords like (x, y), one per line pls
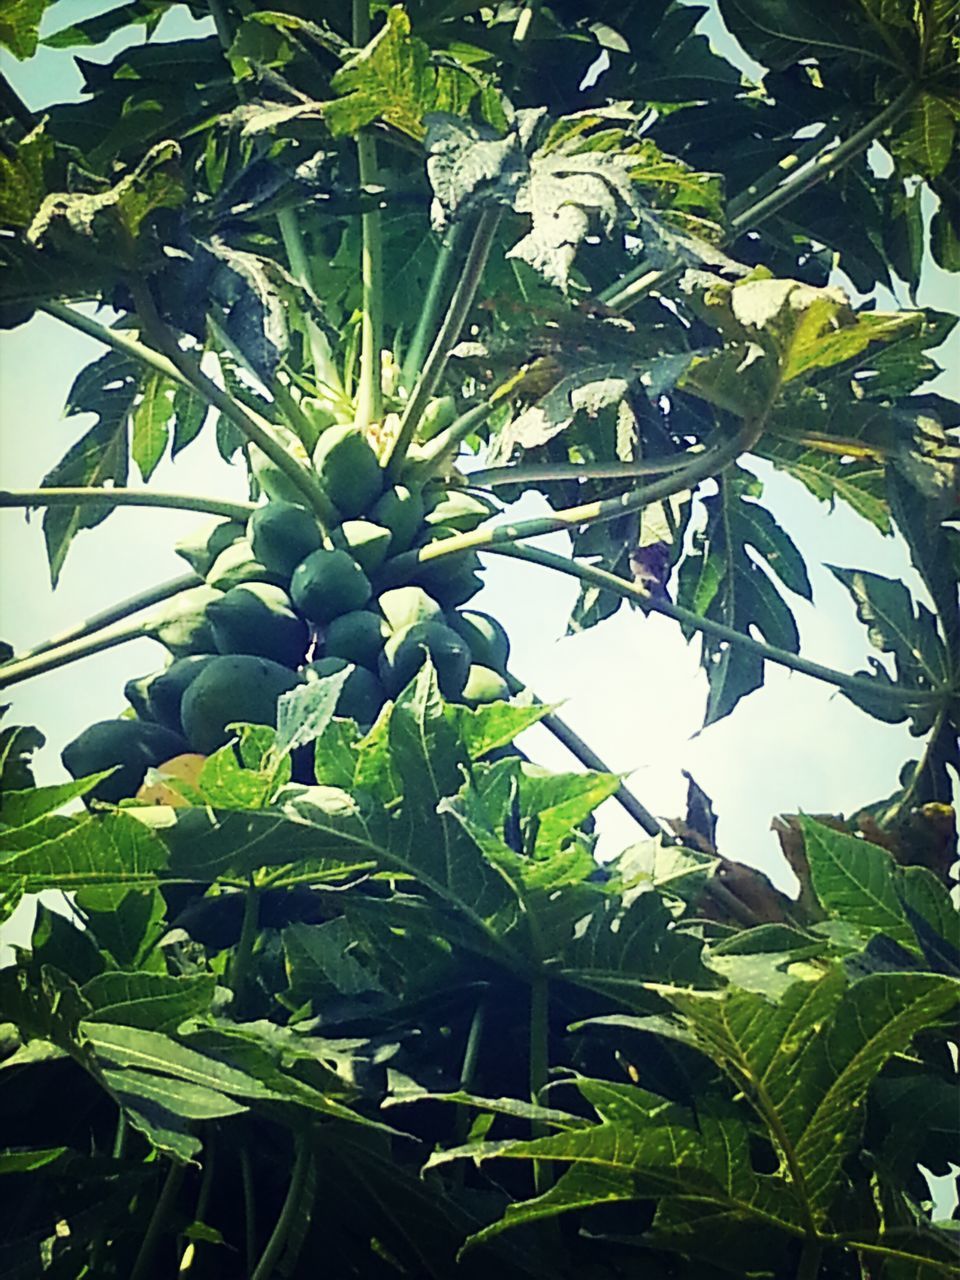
(255, 429)
(369, 390)
(158, 1220)
(539, 472)
(890, 815)
(453, 321)
(436, 289)
(240, 967)
(278, 1238)
(324, 369)
(468, 1069)
(590, 760)
(539, 1064)
(118, 340)
(115, 613)
(119, 497)
(639, 282)
(806, 151)
(120, 1135)
(610, 581)
(203, 1200)
(62, 655)
(445, 446)
(808, 1267)
(249, 1211)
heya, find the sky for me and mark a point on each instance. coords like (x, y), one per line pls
(631, 687)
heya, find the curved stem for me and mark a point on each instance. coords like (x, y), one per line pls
(249, 1211)
(119, 497)
(62, 655)
(117, 339)
(590, 760)
(117, 612)
(447, 335)
(278, 1237)
(619, 586)
(142, 1267)
(540, 472)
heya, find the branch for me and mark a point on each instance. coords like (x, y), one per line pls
(620, 587)
(116, 613)
(288, 1213)
(447, 335)
(436, 289)
(116, 339)
(119, 497)
(62, 655)
(544, 472)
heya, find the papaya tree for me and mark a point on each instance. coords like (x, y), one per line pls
(339, 984)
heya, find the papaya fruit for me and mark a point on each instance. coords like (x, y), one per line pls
(458, 589)
(238, 564)
(367, 542)
(484, 685)
(404, 606)
(456, 509)
(201, 549)
(348, 469)
(439, 414)
(406, 651)
(489, 643)
(258, 618)
(401, 511)
(281, 534)
(356, 637)
(431, 573)
(233, 688)
(163, 789)
(362, 694)
(328, 583)
(134, 745)
(181, 623)
(158, 696)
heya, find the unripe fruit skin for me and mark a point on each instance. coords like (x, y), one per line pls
(327, 584)
(237, 687)
(281, 534)
(460, 511)
(401, 511)
(362, 694)
(403, 606)
(458, 589)
(348, 469)
(201, 549)
(158, 696)
(483, 686)
(436, 417)
(488, 641)
(367, 543)
(355, 637)
(258, 618)
(406, 651)
(182, 625)
(134, 745)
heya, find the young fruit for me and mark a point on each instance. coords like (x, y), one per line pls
(406, 651)
(234, 688)
(182, 623)
(404, 606)
(489, 643)
(134, 745)
(362, 694)
(367, 542)
(355, 637)
(348, 469)
(281, 534)
(201, 549)
(238, 564)
(438, 415)
(484, 685)
(461, 511)
(459, 588)
(327, 584)
(431, 573)
(158, 696)
(258, 618)
(401, 511)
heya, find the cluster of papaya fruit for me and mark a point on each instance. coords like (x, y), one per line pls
(287, 601)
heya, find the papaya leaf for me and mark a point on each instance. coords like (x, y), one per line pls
(157, 1002)
(782, 33)
(20, 26)
(859, 482)
(92, 31)
(319, 957)
(56, 852)
(149, 423)
(189, 415)
(23, 178)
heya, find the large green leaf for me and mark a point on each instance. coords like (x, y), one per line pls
(67, 853)
(20, 26)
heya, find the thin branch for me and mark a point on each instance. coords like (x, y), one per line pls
(619, 586)
(120, 497)
(432, 299)
(545, 472)
(143, 1265)
(117, 339)
(108, 638)
(116, 613)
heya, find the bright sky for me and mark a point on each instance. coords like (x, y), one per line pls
(632, 687)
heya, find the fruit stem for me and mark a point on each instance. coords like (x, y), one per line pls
(62, 655)
(619, 586)
(436, 290)
(450, 326)
(291, 1207)
(119, 497)
(445, 445)
(590, 760)
(370, 389)
(115, 613)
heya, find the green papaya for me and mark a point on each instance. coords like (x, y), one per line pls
(439, 414)
(431, 573)
(238, 564)
(158, 696)
(328, 583)
(484, 685)
(258, 618)
(181, 623)
(489, 643)
(201, 549)
(406, 651)
(134, 745)
(401, 511)
(458, 589)
(367, 542)
(349, 469)
(234, 688)
(362, 694)
(461, 511)
(403, 606)
(356, 636)
(281, 534)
